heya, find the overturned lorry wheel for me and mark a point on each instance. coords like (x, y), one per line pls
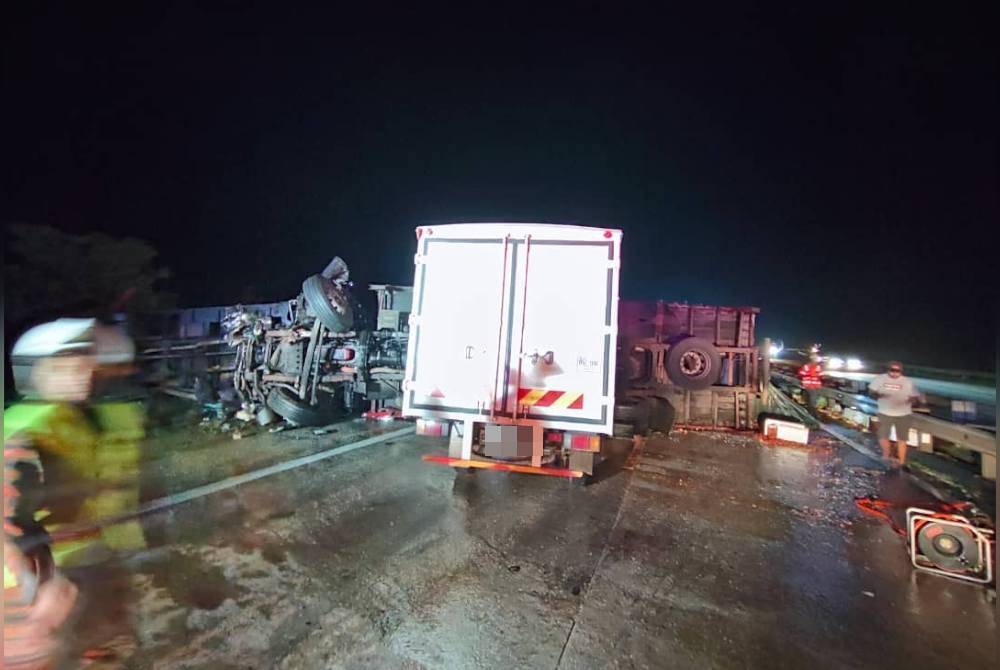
(295, 411)
(661, 414)
(693, 364)
(329, 303)
(622, 430)
(633, 412)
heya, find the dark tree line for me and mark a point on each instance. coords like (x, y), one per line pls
(50, 274)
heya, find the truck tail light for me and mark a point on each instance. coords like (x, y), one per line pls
(431, 428)
(585, 442)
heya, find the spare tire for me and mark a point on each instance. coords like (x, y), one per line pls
(329, 303)
(295, 411)
(693, 363)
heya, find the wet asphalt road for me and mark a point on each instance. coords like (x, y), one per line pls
(715, 552)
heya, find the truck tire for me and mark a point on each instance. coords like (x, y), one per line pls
(634, 412)
(295, 411)
(661, 414)
(329, 303)
(622, 430)
(625, 411)
(693, 364)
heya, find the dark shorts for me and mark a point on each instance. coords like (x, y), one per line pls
(902, 424)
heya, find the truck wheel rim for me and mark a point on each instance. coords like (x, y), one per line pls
(694, 363)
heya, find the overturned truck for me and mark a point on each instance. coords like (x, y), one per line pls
(702, 364)
(328, 359)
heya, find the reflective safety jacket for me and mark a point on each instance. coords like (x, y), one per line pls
(811, 375)
(90, 461)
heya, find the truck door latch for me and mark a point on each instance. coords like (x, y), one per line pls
(548, 357)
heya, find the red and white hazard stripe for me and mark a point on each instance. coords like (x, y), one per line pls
(529, 397)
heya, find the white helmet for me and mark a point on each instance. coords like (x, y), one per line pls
(64, 336)
(54, 338)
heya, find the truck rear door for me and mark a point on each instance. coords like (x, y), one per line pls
(455, 325)
(514, 323)
(563, 347)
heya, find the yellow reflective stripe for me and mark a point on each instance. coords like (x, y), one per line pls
(9, 578)
(533, 397)
(25, 416)
(567, 399)
(64, 549)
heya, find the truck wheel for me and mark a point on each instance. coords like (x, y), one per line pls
(625, 411)
(661, 414)
(295, 411)
(329, 303)
(693, 364)
(634, 412)
(622, 430)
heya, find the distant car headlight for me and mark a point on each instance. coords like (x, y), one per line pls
(834, 363)
(855, 364)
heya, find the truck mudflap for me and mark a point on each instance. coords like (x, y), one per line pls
(507, 467)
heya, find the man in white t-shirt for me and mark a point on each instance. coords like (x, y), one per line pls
(896, 395)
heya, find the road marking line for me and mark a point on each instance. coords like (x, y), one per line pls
(230, 482)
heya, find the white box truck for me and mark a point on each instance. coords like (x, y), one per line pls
(512, 342)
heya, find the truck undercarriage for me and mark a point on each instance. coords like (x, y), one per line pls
(325, 361)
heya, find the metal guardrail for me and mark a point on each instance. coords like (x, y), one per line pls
(782, 404)
(968, 376)
(960, 435)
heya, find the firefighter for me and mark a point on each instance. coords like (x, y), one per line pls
(37, 599)
(811, 372)
(810, 377)
(88, 451)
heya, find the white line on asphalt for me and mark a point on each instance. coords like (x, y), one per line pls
(230, 482)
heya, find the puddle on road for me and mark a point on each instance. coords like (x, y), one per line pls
(191, 582)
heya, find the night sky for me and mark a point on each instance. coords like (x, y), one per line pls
(837, 170)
